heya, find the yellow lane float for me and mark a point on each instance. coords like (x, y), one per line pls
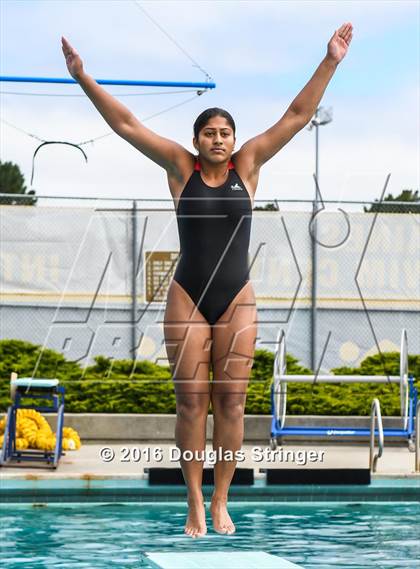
(34, 431)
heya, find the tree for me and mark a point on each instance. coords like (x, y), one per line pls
(411, 198)
(13, 182)
(272, 206)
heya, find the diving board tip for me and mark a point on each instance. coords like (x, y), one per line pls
(216, 560)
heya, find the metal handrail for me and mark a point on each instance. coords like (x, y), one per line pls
(375, 411)
(169, 200)
(417, 442)
(340, 378)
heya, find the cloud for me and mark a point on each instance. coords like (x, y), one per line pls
(261, 55)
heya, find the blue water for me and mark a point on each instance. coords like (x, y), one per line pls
(313, 535)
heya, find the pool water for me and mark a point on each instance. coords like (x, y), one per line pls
(313, 535)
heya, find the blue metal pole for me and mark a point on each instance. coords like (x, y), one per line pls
(198, 85)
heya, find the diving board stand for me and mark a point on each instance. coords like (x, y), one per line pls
(405, 380)
(215, 560)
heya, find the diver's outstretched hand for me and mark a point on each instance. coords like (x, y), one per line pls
(339, 43)
(73, 61)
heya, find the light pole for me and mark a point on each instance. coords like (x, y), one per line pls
(321, 117)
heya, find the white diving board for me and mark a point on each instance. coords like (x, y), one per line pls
(217, 560)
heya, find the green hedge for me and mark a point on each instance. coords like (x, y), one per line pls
(113, 386)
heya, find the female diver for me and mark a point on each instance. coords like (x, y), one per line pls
(211, 316)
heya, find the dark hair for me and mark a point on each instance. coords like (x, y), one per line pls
(208, 114)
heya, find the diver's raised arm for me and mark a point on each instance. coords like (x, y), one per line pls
(264, 146)
(166, 153)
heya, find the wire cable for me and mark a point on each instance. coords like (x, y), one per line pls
(184, 51)
(21, 130)
(198, 94)
(92, 140)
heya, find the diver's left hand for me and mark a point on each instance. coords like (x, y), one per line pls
(339, 43)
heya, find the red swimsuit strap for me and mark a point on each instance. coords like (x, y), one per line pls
(197, 166)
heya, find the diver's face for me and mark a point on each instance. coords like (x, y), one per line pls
(216, 140)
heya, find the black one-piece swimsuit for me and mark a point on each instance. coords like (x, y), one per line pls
(214, 226)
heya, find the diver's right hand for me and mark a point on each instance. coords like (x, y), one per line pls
(73, 61)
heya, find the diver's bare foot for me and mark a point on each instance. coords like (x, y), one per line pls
(195, 525)
(222, 522)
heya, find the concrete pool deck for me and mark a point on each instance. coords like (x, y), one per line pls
(130, 459)
(135, 442)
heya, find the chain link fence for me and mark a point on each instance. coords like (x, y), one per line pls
(89, 277)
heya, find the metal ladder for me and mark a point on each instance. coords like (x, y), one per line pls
(375, 412)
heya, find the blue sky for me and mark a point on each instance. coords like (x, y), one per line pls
(260, 54)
